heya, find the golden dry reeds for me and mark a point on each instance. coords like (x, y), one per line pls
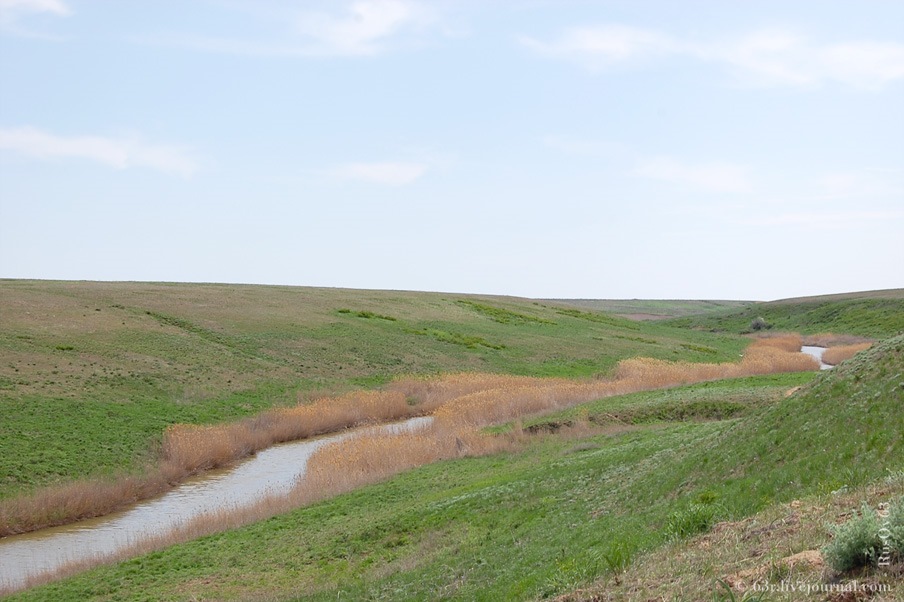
(835, 355)
(188, 449)
(786, 341)
(372, 457)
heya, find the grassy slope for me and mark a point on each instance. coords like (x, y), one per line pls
(558, 514)
(876, 314)
(91, 373)
(654, 308)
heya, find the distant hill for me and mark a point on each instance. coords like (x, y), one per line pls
(653, 309)
(876, 314)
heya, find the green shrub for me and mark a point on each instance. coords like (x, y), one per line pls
(855, 543)
(895, 526)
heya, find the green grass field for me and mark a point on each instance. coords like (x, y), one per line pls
(92, 373)
(560, 513)
(876, 314)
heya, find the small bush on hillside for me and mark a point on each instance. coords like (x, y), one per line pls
(863, 540)
(759, 323)
(896, 528)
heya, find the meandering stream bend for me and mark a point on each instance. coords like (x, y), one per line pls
(817, 353)
(273, 471)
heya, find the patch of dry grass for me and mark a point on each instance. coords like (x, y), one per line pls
(836, 355)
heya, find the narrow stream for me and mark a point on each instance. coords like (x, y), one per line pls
(271, 472)
(817, 353)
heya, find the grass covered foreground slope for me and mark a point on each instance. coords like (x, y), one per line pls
(92, 373)
(628, 476)
(875, 314)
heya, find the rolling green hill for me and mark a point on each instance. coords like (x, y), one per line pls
(91, 373)
(875, 314)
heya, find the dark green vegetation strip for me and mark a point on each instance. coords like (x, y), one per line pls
(554, 516)
(91, 373)
(366, 314)
(877, 317)
(503, 316)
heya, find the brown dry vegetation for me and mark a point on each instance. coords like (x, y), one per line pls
(189, 449)
(836, 355)
(468, 402)
(459, 403)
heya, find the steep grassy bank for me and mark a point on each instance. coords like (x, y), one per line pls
(564, 510)
(876, 314)
(91, 374)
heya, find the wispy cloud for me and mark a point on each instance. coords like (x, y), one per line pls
(602, 46)
(776, 56)
(12, 12)
(119, 153)
(359, 28)
(389, 173)
(712, 177)
(14, 7)
(824, 218)
(761, 58)
(363, 29)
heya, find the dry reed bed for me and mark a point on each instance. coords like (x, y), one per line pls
(370, 458)
(458, 401)
(189, 449)
(836, 355)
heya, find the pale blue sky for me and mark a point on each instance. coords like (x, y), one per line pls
(596, 149)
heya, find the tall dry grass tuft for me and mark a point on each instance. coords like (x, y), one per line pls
(786, 341)
(836, 355)
(432, 392)
(372, 457)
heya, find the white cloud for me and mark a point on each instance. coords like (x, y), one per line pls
(771, 57)
(56, 7)
(363, 29)
(602, 45)
(120, 153)
(389, 173)
(764, 57)
(824, 218)
(12, 12)
(713, 177)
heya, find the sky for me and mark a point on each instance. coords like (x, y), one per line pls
(538, 148)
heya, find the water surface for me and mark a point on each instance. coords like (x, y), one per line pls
(273, 471)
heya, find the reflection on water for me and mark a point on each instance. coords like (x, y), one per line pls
(271, 472)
